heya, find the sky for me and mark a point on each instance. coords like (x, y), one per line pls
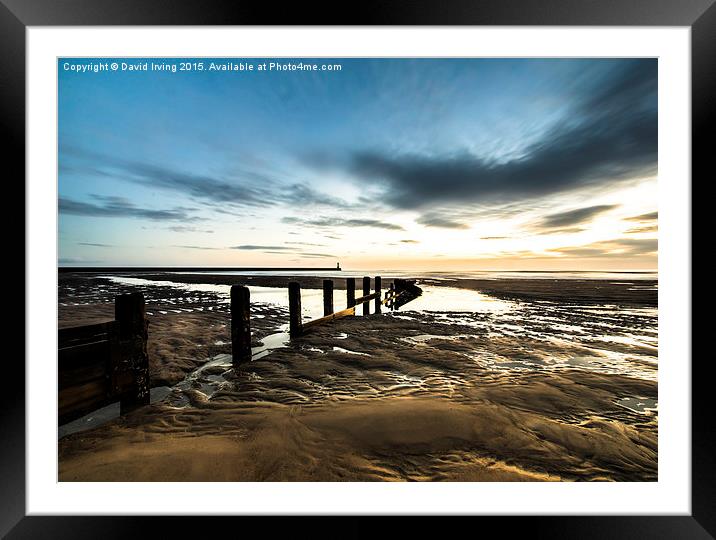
(405, 164)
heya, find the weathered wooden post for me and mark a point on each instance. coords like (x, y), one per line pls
(133, 362)
(327, 297)
(294, 308)
(391, 303)
(377, 290)
(366, 292)
(350, 292)
(240, 324)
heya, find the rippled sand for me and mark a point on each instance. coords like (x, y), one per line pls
(520, 390)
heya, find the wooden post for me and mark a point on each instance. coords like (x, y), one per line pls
(130, 314)
(327, 297)
(350, 292)
(391, 303)
(294, 308)
(240, 324)
(366, 292)
(377, 298)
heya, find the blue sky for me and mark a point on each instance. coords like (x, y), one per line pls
(383, 163)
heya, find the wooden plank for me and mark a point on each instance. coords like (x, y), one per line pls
(366, 298)
(91, 372)
(81, 399)
(333, 316)
(67, 336)
(82, 355)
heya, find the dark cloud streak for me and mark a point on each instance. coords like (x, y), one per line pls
(122, 208)
(651, 216)
(340, 222)
(251, 247)
(250, 189)
(575, 217)
(610, 135)
(441, 221)
(621, 247)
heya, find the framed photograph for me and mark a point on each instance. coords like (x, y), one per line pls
(430, 261)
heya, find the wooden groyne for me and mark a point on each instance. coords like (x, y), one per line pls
(103, 363)
(399, 293)
(100, 364)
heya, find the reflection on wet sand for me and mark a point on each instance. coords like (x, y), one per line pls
(457, 385)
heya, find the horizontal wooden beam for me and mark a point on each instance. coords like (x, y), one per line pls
(367, 298)
(78, 400)
(66, 336)
(337, 315)
(82, 355)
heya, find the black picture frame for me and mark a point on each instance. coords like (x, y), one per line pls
(17, 15)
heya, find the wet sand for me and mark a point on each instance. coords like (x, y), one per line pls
(401, 396)
(186, 329)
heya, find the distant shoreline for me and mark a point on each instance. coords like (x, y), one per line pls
(134, 269)
(626, 292)
(201, 269)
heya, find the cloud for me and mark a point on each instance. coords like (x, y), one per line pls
(621, 247)
(409, 242)
(651, 216)
(494, 238)
(185, 228)
(284, 250)
(302, 195)
(195, 247)
(441, 221)
(120, 207)
(92, 244)
(340, 222)
(574, 217)
(566, 230)
(304, 244)
(250, 247)
(199, 186)
(609, 135)
(645, 229)
(318, 255)
(246, 188)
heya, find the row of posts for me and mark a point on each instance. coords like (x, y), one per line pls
(241, 303)
(294, 300)
(350, 294)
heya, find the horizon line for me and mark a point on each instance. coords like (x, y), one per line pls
(332, 268)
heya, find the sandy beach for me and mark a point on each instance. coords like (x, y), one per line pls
(544, 380)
